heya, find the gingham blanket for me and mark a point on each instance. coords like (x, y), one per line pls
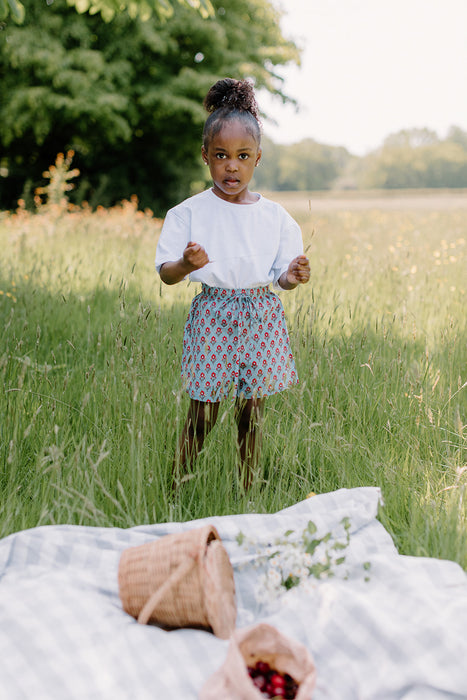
(64, 635)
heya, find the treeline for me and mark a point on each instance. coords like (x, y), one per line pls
(414, 158)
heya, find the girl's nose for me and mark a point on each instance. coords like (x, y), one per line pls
(231, 166)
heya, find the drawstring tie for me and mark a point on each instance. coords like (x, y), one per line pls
(243, 307)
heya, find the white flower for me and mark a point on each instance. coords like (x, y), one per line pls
(274, 577)
(289, 564)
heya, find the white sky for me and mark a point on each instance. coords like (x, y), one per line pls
(371, 68)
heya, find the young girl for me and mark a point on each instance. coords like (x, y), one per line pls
(235, 243)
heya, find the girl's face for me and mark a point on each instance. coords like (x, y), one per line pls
(232, 155)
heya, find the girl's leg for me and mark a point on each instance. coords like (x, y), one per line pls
(200, 420)
(248, 413)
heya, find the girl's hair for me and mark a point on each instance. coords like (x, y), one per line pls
(231, 99)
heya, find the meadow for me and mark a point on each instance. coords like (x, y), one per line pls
(91, 404)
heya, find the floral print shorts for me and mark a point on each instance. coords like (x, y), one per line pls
(236, 344)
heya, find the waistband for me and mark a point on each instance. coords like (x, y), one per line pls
(246, 306)
(225, 294)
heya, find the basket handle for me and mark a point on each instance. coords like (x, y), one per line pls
(154, 599)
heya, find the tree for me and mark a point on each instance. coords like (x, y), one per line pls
(457, 135)
(306, 165)
(125, 96)
(411, 138)
(109, 8)
(418, 158)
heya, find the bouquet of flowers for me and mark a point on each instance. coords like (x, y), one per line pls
(292, 560)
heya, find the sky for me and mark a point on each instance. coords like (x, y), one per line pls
(371, 68)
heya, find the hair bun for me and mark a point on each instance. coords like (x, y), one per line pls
(232, 94)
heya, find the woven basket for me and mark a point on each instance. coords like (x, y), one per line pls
(180, 580)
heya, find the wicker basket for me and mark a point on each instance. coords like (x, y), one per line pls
(180, 580)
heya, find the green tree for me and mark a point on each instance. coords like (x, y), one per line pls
(109, 8)
(417, 158)
(457, 135)
(411, 138)
(125, 96)
(267, 175)
(306, 165)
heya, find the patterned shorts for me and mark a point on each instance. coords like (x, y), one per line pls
(236, 343)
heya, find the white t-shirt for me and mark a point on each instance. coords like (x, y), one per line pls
(249, 245)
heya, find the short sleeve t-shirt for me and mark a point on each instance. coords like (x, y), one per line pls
(248, 245)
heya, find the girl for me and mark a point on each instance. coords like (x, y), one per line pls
(235, 243)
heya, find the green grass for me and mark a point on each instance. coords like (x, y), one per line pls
(90, 399)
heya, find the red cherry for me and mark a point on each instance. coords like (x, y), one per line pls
(259, 682)
(278, 680)
(278, 691)
(262, 666)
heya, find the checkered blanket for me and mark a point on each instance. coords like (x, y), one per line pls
(64, 635)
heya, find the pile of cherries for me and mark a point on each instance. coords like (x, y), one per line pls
(271, 683)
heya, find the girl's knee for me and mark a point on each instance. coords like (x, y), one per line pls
(202, 416)
(248, 413)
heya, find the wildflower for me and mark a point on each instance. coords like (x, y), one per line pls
(292, 561)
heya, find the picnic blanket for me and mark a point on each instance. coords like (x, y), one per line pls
(392, 627)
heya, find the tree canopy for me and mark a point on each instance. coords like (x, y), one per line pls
(125, 96)
(109, 8)
(418, 158)
(306, 165)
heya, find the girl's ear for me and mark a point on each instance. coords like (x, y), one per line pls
(204, 155)
(258, 157)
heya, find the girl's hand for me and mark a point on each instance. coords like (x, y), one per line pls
(298, 271)
(194, 256)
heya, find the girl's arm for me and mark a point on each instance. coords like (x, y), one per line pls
(194, 257)
(298, 272)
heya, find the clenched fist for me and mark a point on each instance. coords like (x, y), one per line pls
(299, 270)
(195, 256)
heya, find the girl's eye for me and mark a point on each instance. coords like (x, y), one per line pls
(243, 156)
(221, 156)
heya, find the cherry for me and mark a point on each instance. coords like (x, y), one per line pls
(271, 683)
(278, 691)
(275, 691)
(262, 666)
(278, 679)
(259, 681)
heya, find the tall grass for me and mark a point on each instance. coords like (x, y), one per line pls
(91, 405)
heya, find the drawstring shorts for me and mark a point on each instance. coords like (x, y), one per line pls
(236, 343)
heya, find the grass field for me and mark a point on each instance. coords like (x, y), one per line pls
(90, 400)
